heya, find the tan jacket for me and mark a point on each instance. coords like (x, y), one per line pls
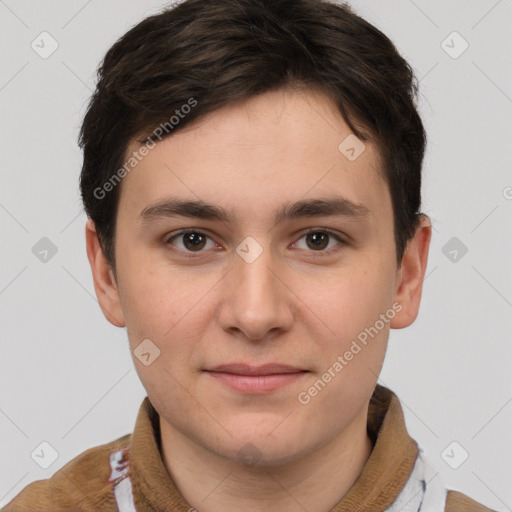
(84, 483)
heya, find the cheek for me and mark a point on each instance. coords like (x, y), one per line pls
(349, 298)
(167, 306)
(153, 295)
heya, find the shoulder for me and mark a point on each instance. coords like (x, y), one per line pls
(83, 482)
(458, 502)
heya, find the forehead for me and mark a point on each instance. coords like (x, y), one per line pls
(272, 149)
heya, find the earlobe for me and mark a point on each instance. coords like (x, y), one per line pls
(411, 274)
(103, 277)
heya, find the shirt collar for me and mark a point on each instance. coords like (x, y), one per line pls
(384, 475)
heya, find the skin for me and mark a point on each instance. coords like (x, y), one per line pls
(289, 306)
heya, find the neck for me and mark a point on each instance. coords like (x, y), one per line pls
(318, 481)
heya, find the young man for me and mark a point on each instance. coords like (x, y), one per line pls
(252, 175)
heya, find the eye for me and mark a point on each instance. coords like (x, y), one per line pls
(318, 239)
(191, 240)
(194, 241)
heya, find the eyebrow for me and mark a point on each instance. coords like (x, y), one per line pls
(330, 207)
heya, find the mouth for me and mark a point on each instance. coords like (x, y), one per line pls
(246, 369)
(255, 379)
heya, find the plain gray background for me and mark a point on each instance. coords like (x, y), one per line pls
(66, 374)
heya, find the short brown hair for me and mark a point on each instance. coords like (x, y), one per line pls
(220, 51)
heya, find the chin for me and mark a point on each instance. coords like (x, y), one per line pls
(259, 449)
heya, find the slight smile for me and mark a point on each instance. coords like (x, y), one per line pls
(256, 379)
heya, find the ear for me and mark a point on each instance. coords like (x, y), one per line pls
(104, 281)
(411, 274)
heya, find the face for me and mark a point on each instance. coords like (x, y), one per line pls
(261, 283)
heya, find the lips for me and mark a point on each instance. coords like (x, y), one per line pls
(266, 369)
(248, 379)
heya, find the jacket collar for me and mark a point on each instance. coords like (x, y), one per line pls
(384, 475)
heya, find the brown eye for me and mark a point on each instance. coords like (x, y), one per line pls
(317, 240)
(191, 241)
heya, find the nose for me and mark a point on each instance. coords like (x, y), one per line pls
(256, 298)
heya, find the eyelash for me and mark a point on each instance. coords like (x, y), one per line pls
(192, 254)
